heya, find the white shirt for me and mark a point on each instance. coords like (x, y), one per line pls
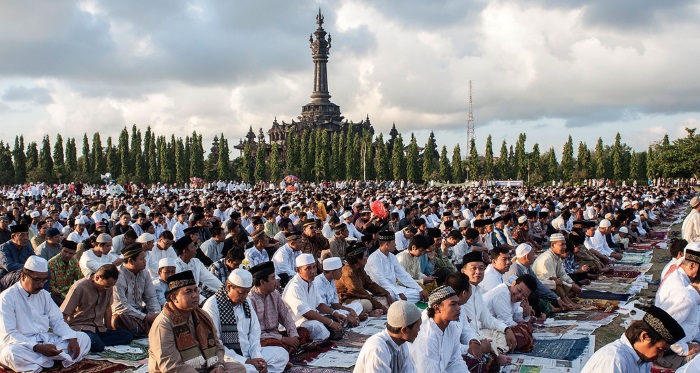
(301, 297)
(600, 243)
(377, 354)
(684, 308)
(435, 351)
(353, 233)
(78, 238)
(212, 249)
(690, 230)
(666, 294)
(500, 306)
(402, 242)
(616, 357)
(327, 231)
(385, 270)
(248, 330)
(90, 262)
(256, 256)
(327, 292)
(179, 230)
(25, 319)
(467, 331)
(674, 261)
(492, 278)
(155, 255)
(460, 250)
(478, 314)
(201, 275)
(284, 259)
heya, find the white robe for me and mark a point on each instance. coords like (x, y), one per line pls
(492, 278)
(669, 288)
(284, 260)
(501, 307)
(616, 357)
(90, 263)
(155, 256)
(435, 351)
(25, 321)
(377, 352)
(684, 307)
(201, 275)
(302, 297)
(249, 337)
(385, 270)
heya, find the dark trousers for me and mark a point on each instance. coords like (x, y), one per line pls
(109, 338)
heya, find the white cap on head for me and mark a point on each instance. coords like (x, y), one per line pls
(346, 215)
(36, 264)
(146, 237)
(166, 262)
(522, 250)
(557, 237)
(605, 223)
(522, 219)
(304, 260)
(623, 230)
(34, 214)
(402, 313)
(241, 277)
(333, 263)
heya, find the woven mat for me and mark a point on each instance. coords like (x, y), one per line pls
(310, 352)
(559, 349)
(84, 366)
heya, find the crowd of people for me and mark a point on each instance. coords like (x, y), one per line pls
(210, 275)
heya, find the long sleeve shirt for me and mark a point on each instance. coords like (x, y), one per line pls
(685, 309)
(212, 249)
(667, 292)
(201, 275)
(132, 292)
(284, 260)
(272, 312)
(13, 257)
(380, 354)
(500, 306)
(492, 278)
(549, 265)
(516, 270)
(478, 314)
(161, 287)
(690, 230)
(354, 283)
(25, 319)
(301, 297)
(248, 330)
(90, 262)
(616, 357)
(437, 351)
(411, 264)
(155, 255)
(385, 270)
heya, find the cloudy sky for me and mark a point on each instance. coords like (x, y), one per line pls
(548, 68)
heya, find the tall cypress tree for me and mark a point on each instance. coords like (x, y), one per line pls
(502, 162)
(444, 171)
(382, 160)
(304, 162)
(197, 156)
(85, 161)
(7, 167)
(45, 160)
(429, 160)
(321, 155)
(99, 162)
(334, 167)
(148, 168)
(113, 161)
(488, 160)
(567, 160)
(124, 157)
(152, 159)
(552, 165)
(413, 171)
(351, 158)
(166, 174)
(293, 154)
(274, 163)
(59, 164)
(536, 174)
(247, 171)
(520, 157)
(182, 165)
(260, 167)
(473, 162)
(398, 159)
(20, 160)
(32, 159)
(617, 159)
(72, 168)
(223, 161)
(457, 173)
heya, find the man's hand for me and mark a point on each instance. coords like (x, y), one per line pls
(475, 349)
(389, 301)
(423, 296)
(73, 348)
(402, 296)
(339, 316)
(336, 327)
(150, 318)
(510, 340)
(558, 281)
(575, 288)
(47, 349)
(352, 320)
(485, 346)
(428, 280)
(291, 341)
(258, 363)
(562, 303)
(693, 348)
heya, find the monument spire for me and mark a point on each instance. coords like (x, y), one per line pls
(320, 48)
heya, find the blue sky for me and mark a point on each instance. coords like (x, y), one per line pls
(543, 67)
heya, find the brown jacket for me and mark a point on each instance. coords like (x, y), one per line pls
(356, 284)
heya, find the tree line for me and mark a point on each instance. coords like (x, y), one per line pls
(314, 155)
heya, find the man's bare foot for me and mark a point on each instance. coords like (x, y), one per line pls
(376, 313)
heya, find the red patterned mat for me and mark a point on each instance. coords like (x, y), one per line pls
(84, 366)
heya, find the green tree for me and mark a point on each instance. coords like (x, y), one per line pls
(335, 160)
(136, 155)
(197, 156)
(85, 162)
(20, 160)
(248, 166)
(617, 159)
(166, 172)
(59, 163)
(382, 160)
(520, 163)
(651, 172)
(350, 155)
(321, 155)
(72, 168)
(552, 166)
(148, 150)
(444, 170)
(32, 159)
(7, 167)
(582, 162)
(260, 169)
(534, 164)
(567, 161)
(293, 153)
(488, 159)
(124, 157)
(398, 159)
(45, 161)
(599, 159)
(412, 167)
(429, 161)
(182, 166)
(457, 168)
(305, 162)
(502, 162)
(223, 161)
(275, 169)
(99, 162)
(473, 172)
(152, 159)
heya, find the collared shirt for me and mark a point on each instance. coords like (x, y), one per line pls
(272, 312)
(411, 264)
(667, 291)
(301, 297)
(386, 271)
(402, 242)
(354, 283)
(63, 274)
(380, 354)
(326, 290)
(12, 257)
(478, 314)
(616, 357)
(549, 265)
(284, 260)
(161, 287)
(690, 230)
(256, 256)
(437, 351)
(212, 249)
(154, 256)
(132, 291)
(500, 306)
(492, 278)
(26, 319)
(90, 262)
(684, 308)
(248, 330)
(201, 275)
(85, 306)
(46, 251)
(220, 270)
(570, 264)
(516, 270)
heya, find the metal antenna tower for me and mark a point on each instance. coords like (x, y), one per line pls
(470, 123)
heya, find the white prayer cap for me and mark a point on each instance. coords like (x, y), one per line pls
(346, 215)
(609, 216)
(557, 237)
(399, 202)
(402, 313)
(80, 221)
(522, 219)
(623, 230)
(522, 250)
(36, 264)
(241, 277)
(625, 205)
(166, 262)
(605, 223)
(304, 260)
(330, 264)
(34, 214)
(146, 237)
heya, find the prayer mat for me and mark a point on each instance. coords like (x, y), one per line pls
(553, 329)
(133, 352)
(310, 352)
(352, 339)
(597, 305)
(83, 366)
(619, 280)
(615, 288)
(582, 315)
(422, 305)
(305, 369)
(659, 235)
(596, 294)
(623, 274)
(559, 349)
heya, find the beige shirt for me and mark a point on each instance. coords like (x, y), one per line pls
(85, 306)
(549, 265)
(411, 264)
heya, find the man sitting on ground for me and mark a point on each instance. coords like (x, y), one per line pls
(64, 271)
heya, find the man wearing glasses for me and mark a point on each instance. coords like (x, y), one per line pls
(88, 308)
